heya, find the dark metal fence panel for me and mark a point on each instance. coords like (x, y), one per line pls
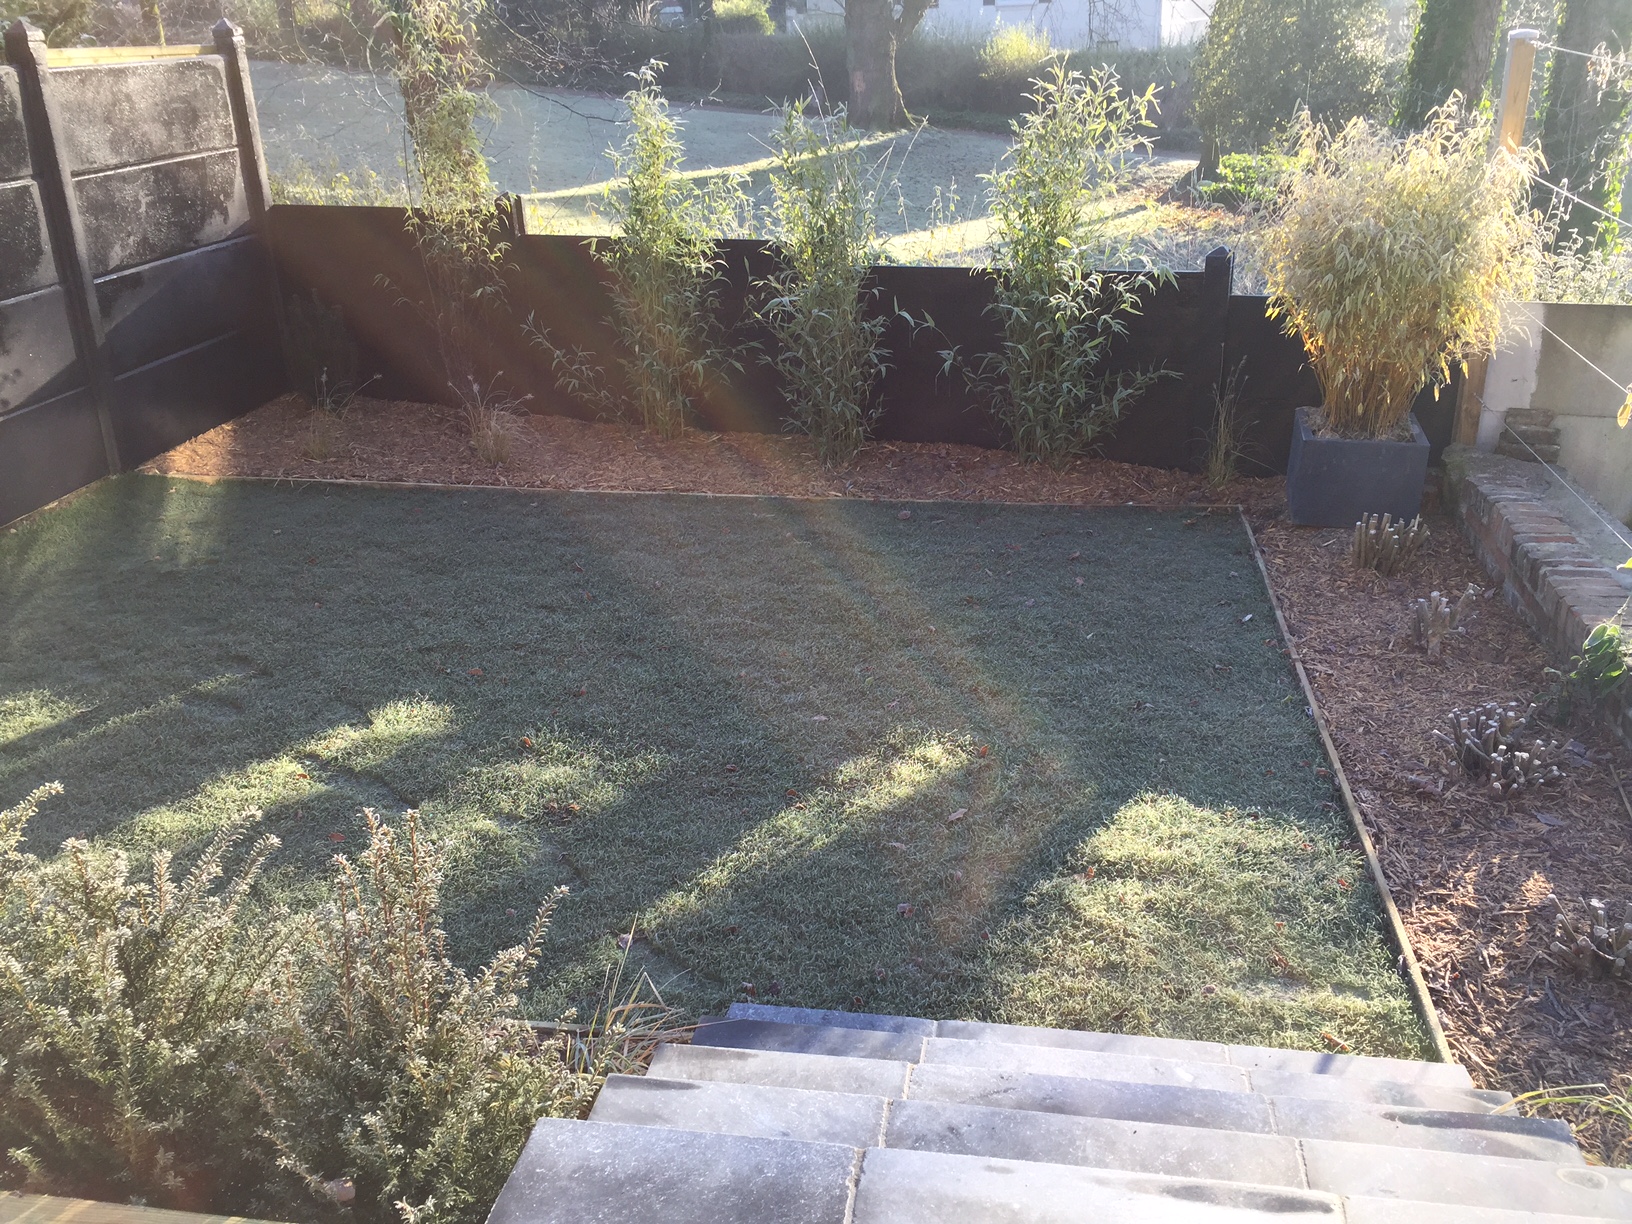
(363, 260)
(147, 191)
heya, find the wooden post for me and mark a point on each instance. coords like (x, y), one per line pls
(25, 48)
(246, 125)
(1512, 109)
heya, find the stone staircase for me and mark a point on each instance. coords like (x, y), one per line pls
(1530, 435)
(779, 1115)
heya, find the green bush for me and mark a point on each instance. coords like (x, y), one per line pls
(163, 1042)
(1248, 181)
(1263, 61)
(129, 1008)
(743, 17)
(62, 21)
(1059, 312)
(396, 1081)
(826, 342)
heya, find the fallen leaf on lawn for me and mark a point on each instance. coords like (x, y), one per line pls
(526, 741)
(337, 837)
(1246, 618)
(896, 845)
(957, 815)
(905, 910)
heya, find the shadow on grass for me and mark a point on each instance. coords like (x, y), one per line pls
(753, 730)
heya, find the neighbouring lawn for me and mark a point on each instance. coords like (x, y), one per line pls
(1035, 764)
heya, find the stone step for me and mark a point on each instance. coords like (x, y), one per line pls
(1042, 1060)
(821, 1072)
(1334, 1167)
(1470, 1181)
(1473, 1132)
(1359, 1209)
(808, 1039)
(911, 1025)
(1252, 1058)
(1100, 1143)
(768, 1112)
(574, 1172)
(898, 1186)
(1050, 1060)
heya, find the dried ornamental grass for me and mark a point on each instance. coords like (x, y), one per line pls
(1391, 256)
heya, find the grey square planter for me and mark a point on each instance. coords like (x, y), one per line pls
(1331, 482)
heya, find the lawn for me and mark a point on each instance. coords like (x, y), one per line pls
(1045, 765)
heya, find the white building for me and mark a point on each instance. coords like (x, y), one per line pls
(1131, 24)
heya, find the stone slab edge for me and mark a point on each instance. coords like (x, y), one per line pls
(1554, 581)
(1391, 913)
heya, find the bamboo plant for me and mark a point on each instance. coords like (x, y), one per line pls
(1391, 257)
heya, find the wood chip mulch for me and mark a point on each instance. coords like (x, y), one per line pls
(400, 441)
(1469, 872)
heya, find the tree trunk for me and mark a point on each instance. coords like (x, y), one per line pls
(1583, 127)
(1452, 52)
(870, 40)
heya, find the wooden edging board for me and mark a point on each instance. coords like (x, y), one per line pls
(47, 1209)
(1396, 928)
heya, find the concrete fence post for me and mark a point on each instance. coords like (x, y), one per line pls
(25, 49)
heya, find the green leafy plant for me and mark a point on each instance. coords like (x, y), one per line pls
(1248, 181)
(1391, 257)
(1014, 51)
(665, 276)
(1059, 313)
(1600, 670)
(827, 343)
(129, 1008)
(399, 1083)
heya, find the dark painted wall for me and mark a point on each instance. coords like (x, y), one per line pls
(137, 306)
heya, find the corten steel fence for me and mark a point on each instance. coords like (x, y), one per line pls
(136, 300)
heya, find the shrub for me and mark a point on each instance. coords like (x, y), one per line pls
(1391, 257)
(743, 17)
(1013, 50)
(62, 21)
(827, 346)
(1248, 181)
(665, 275)
(1059, 313)
(397, 1082)
(128, 1010)
(1264, 61)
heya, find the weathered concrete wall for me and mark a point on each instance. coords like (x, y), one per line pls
(1536, 370)
(137, 301)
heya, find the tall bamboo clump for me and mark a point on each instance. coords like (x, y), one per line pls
(1391, 257)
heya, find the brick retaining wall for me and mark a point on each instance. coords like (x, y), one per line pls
(1560, 585)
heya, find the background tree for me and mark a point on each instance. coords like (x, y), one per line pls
(1452, 52)
(873, 31)
(1584, 125)
(1263, 60)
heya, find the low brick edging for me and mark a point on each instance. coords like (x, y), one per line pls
(1559, 585)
